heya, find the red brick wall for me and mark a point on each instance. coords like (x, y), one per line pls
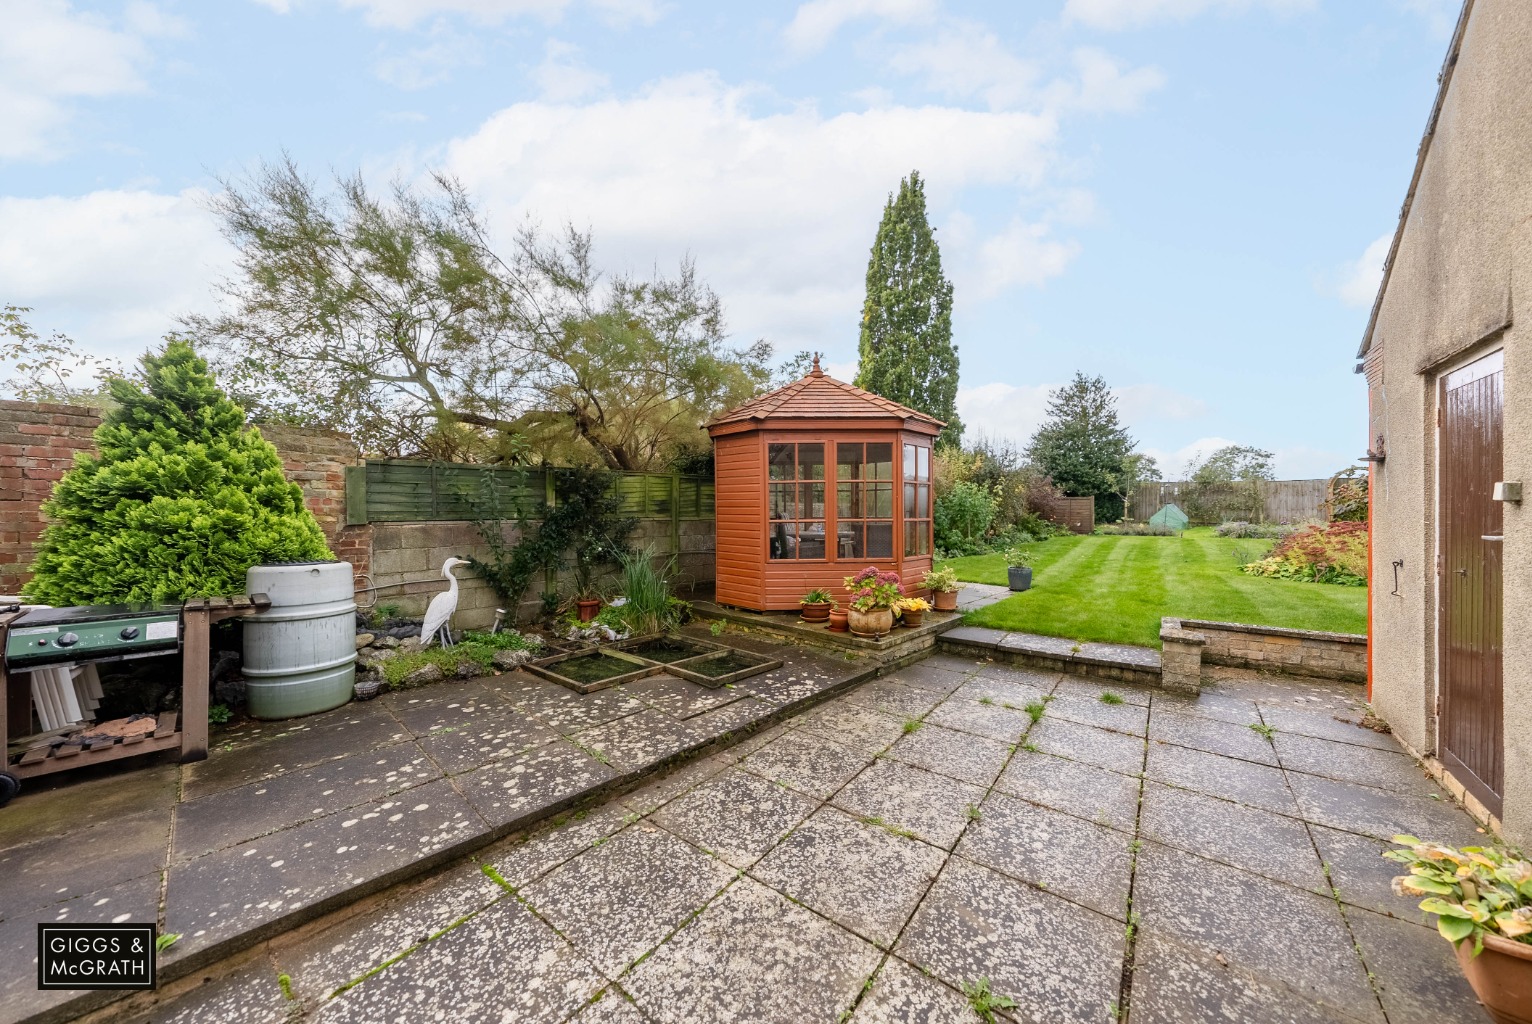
(38, 443)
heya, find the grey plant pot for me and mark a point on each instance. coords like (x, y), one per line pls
(1020, 576)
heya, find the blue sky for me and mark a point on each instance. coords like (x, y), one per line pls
(1190, 197)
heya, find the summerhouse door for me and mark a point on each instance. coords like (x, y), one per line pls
(1469, 577)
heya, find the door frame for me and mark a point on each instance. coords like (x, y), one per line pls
(1459, 771)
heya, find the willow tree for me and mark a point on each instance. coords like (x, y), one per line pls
(906, 347)
(395, 318)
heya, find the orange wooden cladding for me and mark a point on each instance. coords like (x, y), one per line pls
(816, 409)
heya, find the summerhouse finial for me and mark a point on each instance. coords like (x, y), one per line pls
(816, 371)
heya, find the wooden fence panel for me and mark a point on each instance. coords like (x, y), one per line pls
(1079, 514)
(1282, 501)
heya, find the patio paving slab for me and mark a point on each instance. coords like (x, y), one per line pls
(1095, 794)
(502, 964)
(651, 797)
(1087, 709)
(1264, 928)
(1075, 688)
(1178, 984)
(1417, 974)
(965, 713)
(639, 740)
(1068, 857)
(745, 713)
(540, 781)
(1060, 962)
(1324, 724)
(250, 995)
(753, 956)
(1381, 814)
(617, 900)
(932, 806)
(1364, 878)
(864, 878)
(893, 697)
(524, 859)
(970, 759)
(233, 816)
(570, 712)
(1213, 735)
(1241, 781)
(682, 698)
(1393, 770)
(1245, 837)
(735, 815)
(60, 868)
(1213, 702)
(902, 995)
(940, 674)
(811, 763)
(251, 887)
(501, 732)
(857, 727)
(58, 804)
(320, 964)
(1087, 744)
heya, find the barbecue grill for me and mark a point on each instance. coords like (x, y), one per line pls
(114, 632)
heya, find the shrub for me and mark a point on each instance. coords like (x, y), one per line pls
(963, 515)
(1248, 531)
(648, 607)
(1319, 553)
(179, 501)
(1473, 891)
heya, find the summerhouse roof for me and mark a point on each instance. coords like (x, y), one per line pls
(820, 396)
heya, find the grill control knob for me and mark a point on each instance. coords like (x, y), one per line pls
(129, 633)
(43, 642)
(68, 639)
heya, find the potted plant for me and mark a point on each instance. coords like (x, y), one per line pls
(587, 598)
(1018, 569)
(943, 585)
(1482, 899)
(816, 605)
(912, 611)
(873, 596)
(838, 619)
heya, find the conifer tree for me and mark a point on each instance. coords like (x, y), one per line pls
(906, 345)
(178, 501)
(1083, 446)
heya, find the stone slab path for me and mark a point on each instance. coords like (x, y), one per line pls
(287, 821)
(1147, 858)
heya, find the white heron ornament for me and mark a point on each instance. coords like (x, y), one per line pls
(437, 623)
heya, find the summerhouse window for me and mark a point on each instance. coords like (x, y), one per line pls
(917, 500)
(796, 500)
(864, 500)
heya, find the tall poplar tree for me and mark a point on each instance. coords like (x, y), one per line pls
(906, 345)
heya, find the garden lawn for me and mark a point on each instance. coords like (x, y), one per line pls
(1116, 589)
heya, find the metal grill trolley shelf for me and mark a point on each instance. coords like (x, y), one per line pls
(42, 637)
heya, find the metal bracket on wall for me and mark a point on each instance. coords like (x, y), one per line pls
(1398, 564)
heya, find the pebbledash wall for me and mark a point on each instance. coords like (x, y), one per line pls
(396, 563)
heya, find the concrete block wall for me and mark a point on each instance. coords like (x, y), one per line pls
(39, 441)
(1295, 652)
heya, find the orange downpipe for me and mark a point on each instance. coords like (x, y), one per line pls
(1372, 589)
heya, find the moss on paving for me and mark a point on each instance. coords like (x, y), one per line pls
(1116, 589)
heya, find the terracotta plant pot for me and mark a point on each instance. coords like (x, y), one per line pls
(1501, 976)
(588, 609)
(874, 623)
(818, 612)
(945, 600)
(838, 620)
(912, 619)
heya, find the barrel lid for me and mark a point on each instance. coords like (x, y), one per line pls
(316, 561)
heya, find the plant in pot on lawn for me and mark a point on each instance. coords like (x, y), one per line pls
(943, 585)
(1482, 899)
(1018, 569)
(873, 597)
(816, 605)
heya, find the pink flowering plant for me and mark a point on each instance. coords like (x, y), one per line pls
(871, 589)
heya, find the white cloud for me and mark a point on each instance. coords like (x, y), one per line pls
(622, 13)
(1115, 15)
(431, 64)
(777, 208)
(966, 59)
(52, 56)
(1021, 254)
(1174, 464)
(1359, 280)
(561, 77)
(407, 13)
(1440, 15)
(817, 21)
(1139, 402)
(1303, 463)
(114, 267)
(1003, 411)
(1105, 86)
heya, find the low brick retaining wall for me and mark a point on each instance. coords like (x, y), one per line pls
(1188, 644)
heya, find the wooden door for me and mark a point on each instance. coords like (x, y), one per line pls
(1470, 679)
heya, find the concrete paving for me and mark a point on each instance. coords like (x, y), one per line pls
(877, 857)
(289, 821)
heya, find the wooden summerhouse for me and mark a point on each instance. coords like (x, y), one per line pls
(815, 481)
